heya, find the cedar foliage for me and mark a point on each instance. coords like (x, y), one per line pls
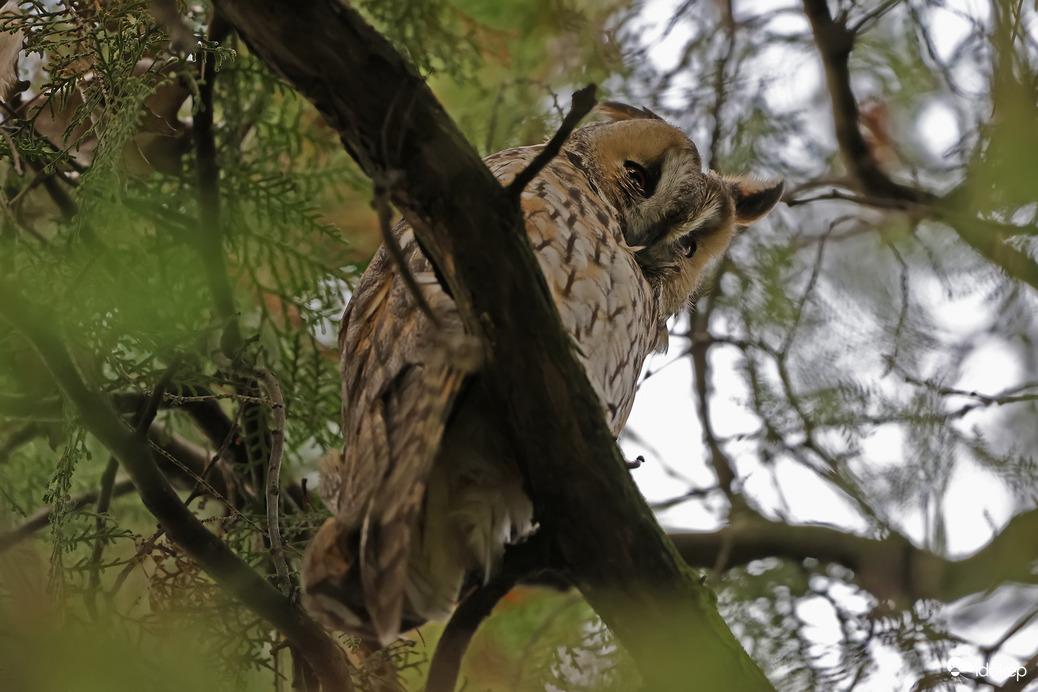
(848, 317)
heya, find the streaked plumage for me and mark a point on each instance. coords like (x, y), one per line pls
(425, 493)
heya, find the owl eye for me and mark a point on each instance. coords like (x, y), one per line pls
(688, 245)
(636, 174)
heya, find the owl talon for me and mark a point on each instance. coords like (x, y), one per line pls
(638, 461)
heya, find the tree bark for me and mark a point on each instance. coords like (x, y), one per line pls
(603, 531)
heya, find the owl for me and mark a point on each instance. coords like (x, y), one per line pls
(426, 493)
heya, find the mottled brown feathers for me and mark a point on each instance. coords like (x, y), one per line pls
(426, 492)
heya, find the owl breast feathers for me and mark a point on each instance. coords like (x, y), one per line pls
(426, 493)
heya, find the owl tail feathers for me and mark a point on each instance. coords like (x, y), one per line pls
(362, 597)
(385, 549)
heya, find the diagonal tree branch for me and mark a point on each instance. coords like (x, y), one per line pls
(602, 529)
(521, 562)
(835, 41)
(41, 517)
(97, 416)
(583, 102)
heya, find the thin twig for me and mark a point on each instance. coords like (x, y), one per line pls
(583, 102)
(701, 340)
(902, 315)
(277, 447)
(20, 437)
(383, 182)
(41, 517)
(720, 93)
(143, 550)
(181, 525)
(874, 15)
(142, 422)
(16, 158)
(787, 341)
(104, 503)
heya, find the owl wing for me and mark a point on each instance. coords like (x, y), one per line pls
(603, 298)
(398, 388)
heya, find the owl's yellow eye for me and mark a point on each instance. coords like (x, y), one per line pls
(636, 174)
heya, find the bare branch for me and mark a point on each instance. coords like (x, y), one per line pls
(273, 494)
(583, 102)
(39, 519)
(104, 503)
(190, 463)
(573, 468)
(97, 416)
(835, 41)
(470, 613)
(862, 199)
(720, 88)
(520, 561)
(210, 232)
(699, 335)
(889, 568)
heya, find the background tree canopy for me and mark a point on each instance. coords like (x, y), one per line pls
(854, 475)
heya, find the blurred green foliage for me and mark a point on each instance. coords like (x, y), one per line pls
(844, 320)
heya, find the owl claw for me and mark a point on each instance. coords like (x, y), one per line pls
(638, 461)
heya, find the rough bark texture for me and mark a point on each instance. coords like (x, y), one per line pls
(603, 531)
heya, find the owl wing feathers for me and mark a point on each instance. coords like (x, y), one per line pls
(399, 389)
(604, 302)
(397, 395)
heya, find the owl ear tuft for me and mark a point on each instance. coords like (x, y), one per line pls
(753, 198)
(615, 111)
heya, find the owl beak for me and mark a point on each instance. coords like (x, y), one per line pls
(646, 235)
(638, 237)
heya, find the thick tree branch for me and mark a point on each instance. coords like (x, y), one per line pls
(473, 229)
(889, 568)
(190, 463)
(97, 416)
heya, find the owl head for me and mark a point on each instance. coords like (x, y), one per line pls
(675, 217)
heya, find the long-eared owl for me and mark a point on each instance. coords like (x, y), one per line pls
(426, 492)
